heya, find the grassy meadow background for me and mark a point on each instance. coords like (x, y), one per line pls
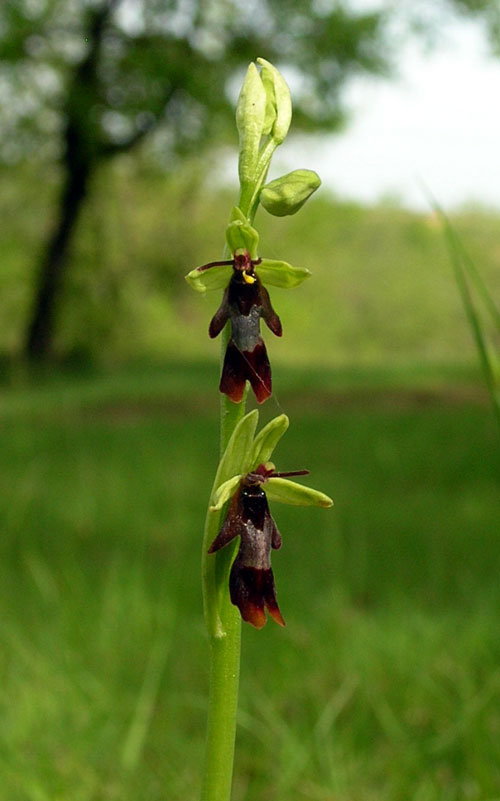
(385, 684)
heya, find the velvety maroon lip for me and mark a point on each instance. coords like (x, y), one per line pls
(242, 366)
(253, 591)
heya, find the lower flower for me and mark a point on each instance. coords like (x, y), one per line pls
(251, 582)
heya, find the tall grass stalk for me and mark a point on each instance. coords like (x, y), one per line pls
(468, 276)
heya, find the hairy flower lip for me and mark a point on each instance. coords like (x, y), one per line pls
(253, 591)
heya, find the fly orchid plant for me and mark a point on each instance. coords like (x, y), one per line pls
(238, 581)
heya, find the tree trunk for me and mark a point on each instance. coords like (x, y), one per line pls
(39, 335)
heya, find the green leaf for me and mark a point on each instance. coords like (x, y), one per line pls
(475, 322)
(266, 441)
(223, 493)
(277, 89)
(242, 236)
(250, 120)
(286, 491)
(286, 195)
(235, 457)
(207, 280)
(465, 271)
(281, 274)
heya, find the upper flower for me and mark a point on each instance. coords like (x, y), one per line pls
(245, 302)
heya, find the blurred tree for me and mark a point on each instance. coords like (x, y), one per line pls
(84, 80)
(489, 12)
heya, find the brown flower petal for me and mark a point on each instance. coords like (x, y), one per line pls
(252, 590)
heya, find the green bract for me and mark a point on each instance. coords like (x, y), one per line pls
(266, 441)
(286, 195)
(235, 458)
(245, 452)
(224, 492)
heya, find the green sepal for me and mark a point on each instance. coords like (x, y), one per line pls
(250, 121)
(280, 273)
(240, 235)
(206, 280)
(266, 441)
(286, 491)
(223, 493)
(278, 93)
(286, 195)
(234, 459)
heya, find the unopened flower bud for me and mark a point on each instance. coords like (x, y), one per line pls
(287, 194)
(278, 96)
(250, 121)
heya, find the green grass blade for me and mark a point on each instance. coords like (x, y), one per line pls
(481, 287)
(144, 708)
(460, 266)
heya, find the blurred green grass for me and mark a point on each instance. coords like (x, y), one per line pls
(384, 685)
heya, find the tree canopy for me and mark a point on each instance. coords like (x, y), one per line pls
(126, 66)
(123, 66)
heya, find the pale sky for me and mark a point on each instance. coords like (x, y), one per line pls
(438, 123)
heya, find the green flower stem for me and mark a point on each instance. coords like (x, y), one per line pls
(249, 197)
(223, 699)
(225, 638)
(223, 619)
